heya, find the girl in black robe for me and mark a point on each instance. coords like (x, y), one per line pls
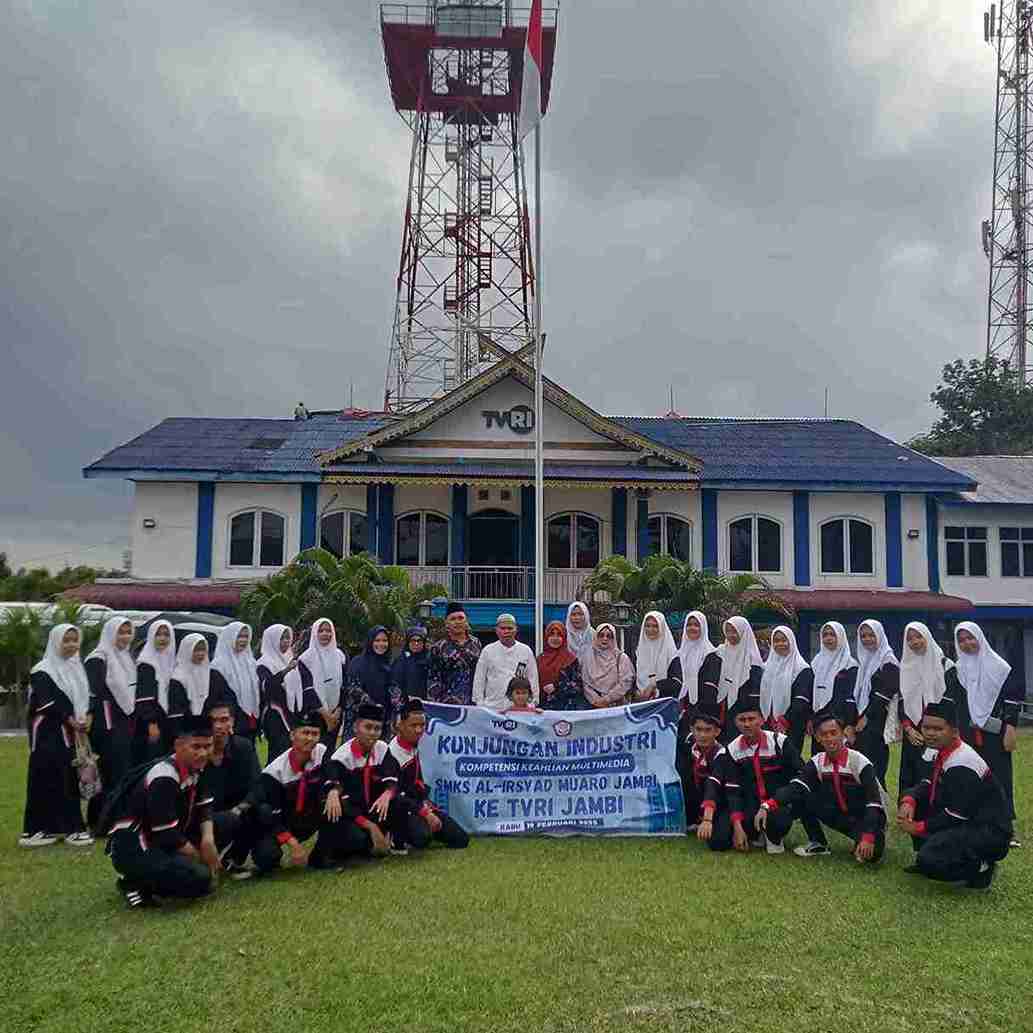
(278, 713)
(59, 699)
(111, 671)
(153, 670)
(409, 673)
(190, 684)
(369, 679)
(875, 693)
(234, 679)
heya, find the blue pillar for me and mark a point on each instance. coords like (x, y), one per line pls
(801, 538)
(386, 524)
(527, 517)
(619, 519)
(308, 516)
(708, 518)
(932, 542)
(371, 518)
(460, 507)
(894, 542)
(641, 529)
(205, 520)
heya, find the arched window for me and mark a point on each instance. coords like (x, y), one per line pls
(670, 536)
(755, 545)
(847, 546)
(257, 539)
(573, 542)
(421, 540)
(344, 533)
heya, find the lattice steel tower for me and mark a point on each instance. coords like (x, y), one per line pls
(466, 270)
(1008, 233)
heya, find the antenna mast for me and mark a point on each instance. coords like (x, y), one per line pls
(1007, 234)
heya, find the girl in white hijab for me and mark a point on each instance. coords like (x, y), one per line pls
(154, 668)
(111, 671)
(59, 699)
(657, 667)
(980, 684)
(234, 677)
(922, 681)
(741, 670)
(878, 685)
(781, 684)
(579, 640)
(320, 669)
(189, 686)
(693, 652)
(275, 663)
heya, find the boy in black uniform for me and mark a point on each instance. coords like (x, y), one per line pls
(162, 841)
(838, 788)
(699, 760)
(359, 799)
(958, 817)
(292, 806)
(420, 821)
(232, 777)
(757, 764)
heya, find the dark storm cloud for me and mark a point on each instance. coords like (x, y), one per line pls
(200, 209)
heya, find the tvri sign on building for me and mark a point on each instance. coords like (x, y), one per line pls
(519, 419)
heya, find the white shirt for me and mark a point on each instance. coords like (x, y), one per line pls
(496, 667)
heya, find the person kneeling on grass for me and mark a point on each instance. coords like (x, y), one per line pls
(162, 841)
(958, 817)
(700, 762)
(759, 764)
(292, 806)
(360, 802)
(838, 788)
(420, 821)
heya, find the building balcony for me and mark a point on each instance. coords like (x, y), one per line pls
(499, 584)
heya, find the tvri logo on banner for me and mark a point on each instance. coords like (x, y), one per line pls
(519, 419)
(597, 773)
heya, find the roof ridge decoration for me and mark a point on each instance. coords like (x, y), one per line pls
(513, 365)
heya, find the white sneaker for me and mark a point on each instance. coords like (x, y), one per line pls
(774, 848)
(37, 839)
(79, 839)
(758, 842)
(691, 829)
(812, 850)
(242, 874)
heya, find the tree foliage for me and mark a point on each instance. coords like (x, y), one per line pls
(356, 593)
(674, 587)
(986, 409)
(38, 585)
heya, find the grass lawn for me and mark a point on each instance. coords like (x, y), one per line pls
(519, 935)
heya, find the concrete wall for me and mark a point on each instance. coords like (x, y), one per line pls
(232, 498)
(915, 564)
(867, 506)
(992, 590)
(776, 505)
(169, 549)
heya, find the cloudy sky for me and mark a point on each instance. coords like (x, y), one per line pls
(200, 212)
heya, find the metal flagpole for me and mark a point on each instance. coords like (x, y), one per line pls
(539, 408)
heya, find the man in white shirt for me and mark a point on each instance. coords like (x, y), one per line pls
(501, 661)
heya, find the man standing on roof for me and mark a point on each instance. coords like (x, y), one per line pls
(500, 663)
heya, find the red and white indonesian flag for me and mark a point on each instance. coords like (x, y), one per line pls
(531, 91)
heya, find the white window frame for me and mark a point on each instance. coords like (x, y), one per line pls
(965, 541)
(256, 539)
(847, 572)
(663, 518)
(347, 511)
(572, 515)
(755, 543)
(1019, 542)
(423, 514)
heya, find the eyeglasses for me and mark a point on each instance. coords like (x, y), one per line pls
(605, 634)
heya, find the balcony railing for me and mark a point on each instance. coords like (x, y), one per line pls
(499, 583)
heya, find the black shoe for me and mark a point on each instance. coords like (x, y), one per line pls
(912, 869)
(982, 879)
(135, 898)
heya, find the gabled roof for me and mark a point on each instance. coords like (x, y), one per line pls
(798, 452)
(1002, 480)
(513, 366)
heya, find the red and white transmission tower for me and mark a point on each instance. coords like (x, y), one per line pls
(1008, 233)
(466, 271)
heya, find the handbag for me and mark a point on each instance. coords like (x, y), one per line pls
(86, 764)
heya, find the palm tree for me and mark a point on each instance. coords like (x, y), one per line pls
(356, 593)
(676, 587)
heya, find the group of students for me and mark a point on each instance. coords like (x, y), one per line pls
(169, 723)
